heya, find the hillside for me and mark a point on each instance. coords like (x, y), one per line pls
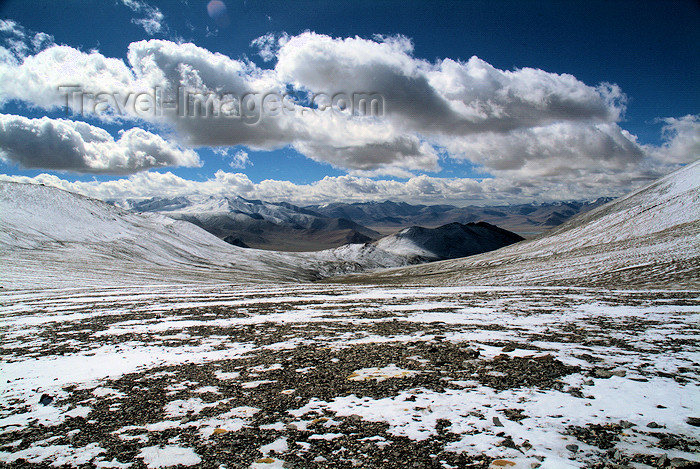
(649, 238)
(50, 237)
(448, 241)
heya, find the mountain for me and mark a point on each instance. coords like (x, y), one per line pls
(649, 238)
(53, 238)
(258, 224)
(525, 219)
(448, 241)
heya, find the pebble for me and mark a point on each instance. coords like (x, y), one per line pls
(497, 422)
(572, 448)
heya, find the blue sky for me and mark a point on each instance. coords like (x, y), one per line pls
(649, 50)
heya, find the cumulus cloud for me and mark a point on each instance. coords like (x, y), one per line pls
(66, 145)
(563, 149)
(681, 140)
(447, 96)
(424, 105)
(269, 44)
(537, 132)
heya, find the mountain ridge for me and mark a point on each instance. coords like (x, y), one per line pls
(278, 226)
(524, 219)
(646, 239)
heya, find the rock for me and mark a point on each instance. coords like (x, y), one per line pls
(694, 421)
(45, 399)
(680, 462)
(602, 373)
(589, 382)
(662, 460)
(654, 425)
(498, 463)
(508, 348)
(619, 373)
(572, 448)
(626, 424)
(497, 422)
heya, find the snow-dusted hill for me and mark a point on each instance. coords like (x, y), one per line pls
(447, 241)
(258, 224)
(650, 238)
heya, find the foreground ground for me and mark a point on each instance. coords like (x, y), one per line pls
(337, 376)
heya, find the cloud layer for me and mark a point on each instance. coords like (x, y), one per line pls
(76, 146)
(534, 131)
(472, 107)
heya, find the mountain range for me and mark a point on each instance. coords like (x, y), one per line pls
(53, 238)
(647, 239)
(525, 219)
(258, 224)
(285, 227)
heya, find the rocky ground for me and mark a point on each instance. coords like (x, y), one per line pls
(337, 376)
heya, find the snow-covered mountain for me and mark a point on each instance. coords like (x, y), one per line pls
(649, 238)
(448, 241)
(526, 219)
(258, 224)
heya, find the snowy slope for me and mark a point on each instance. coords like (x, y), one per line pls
(650, 237)
(50, 237)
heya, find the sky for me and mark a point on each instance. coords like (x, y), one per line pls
(470, 102)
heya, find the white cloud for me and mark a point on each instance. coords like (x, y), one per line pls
(239, 159)
(66, 145)
(445, 97)
(153, 19)
(682, 140)
(418, 189)
(18, 42)
(532, 129)
(424, 104)
(269, 44)
(562, 148)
